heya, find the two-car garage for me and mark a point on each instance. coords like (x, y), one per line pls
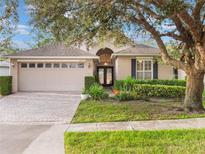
(54, 67)
(52, 76)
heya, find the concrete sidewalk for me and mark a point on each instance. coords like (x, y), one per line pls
(14, 139)
(49, 142)
(139, 125)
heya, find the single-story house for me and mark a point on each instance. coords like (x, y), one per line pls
(57, 67)
(182, 75)
(4, 68)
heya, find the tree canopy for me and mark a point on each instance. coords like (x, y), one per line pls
(8, 20)
(90, 20)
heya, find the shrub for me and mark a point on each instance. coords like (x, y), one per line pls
(127, 96)
(97, 92)
(159, 90)
(124, 96)
(89, 81)
(5, 85)
(124, 85)
(128, 83)
(118, 84)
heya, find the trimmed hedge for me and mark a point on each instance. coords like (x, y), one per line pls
(148, 90)
(5, 85)
(89, 81)
(129, 83)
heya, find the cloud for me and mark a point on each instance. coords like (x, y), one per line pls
(20, 44)
(22, 29)
(168, 27)
(29, 8)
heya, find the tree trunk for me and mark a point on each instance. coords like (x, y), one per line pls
(194, 89)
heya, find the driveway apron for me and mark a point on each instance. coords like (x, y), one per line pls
(34, 123)
(38, 108)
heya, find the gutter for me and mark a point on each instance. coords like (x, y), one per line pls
(51, 60)
(52, 57)
(139, 55)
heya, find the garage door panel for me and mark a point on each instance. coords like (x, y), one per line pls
(52, 79)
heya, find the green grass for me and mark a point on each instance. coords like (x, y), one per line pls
(136, 142)
(109, 111)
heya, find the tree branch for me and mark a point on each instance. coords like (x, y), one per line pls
(184, 33)
(195, 28)
(173, 35)
(165, 56)
(196, 11)
(149, 11)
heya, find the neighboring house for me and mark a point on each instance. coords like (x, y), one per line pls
(57, 67)
(4, 68)
(182, 75)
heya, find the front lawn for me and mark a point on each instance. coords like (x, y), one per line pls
(143, 142)
(109, 111)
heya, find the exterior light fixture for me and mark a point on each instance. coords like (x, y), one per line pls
(140, 60)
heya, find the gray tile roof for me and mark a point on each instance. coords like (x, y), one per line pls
(53, 50)
(139, 49)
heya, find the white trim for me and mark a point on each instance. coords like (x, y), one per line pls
(152, 69)
(115, 54)
(146, 58)
(53, 57)
(40, 60)
(144, 71)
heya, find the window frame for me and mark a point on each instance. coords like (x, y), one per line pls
(58, 64)
(73, 64)
(64, 64)
(37, 65)
(143, 71)
(81, 64)
(29, 65)
(48, 64)
(24, 64)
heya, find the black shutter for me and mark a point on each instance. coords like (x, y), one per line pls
(133, 68)
(175, 71)
(155, 70)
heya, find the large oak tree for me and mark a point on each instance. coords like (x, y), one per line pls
(91, 20)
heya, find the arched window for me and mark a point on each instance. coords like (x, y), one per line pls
(105, 56)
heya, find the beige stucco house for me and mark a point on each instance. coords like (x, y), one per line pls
(57, 67)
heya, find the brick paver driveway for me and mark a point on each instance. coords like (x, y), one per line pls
(38, 107)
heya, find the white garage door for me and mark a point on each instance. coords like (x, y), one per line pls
(52, 76)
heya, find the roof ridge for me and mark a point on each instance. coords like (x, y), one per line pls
(54, 49)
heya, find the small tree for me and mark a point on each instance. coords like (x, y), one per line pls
(90, 20)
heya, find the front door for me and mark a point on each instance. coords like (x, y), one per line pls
(105, 75)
